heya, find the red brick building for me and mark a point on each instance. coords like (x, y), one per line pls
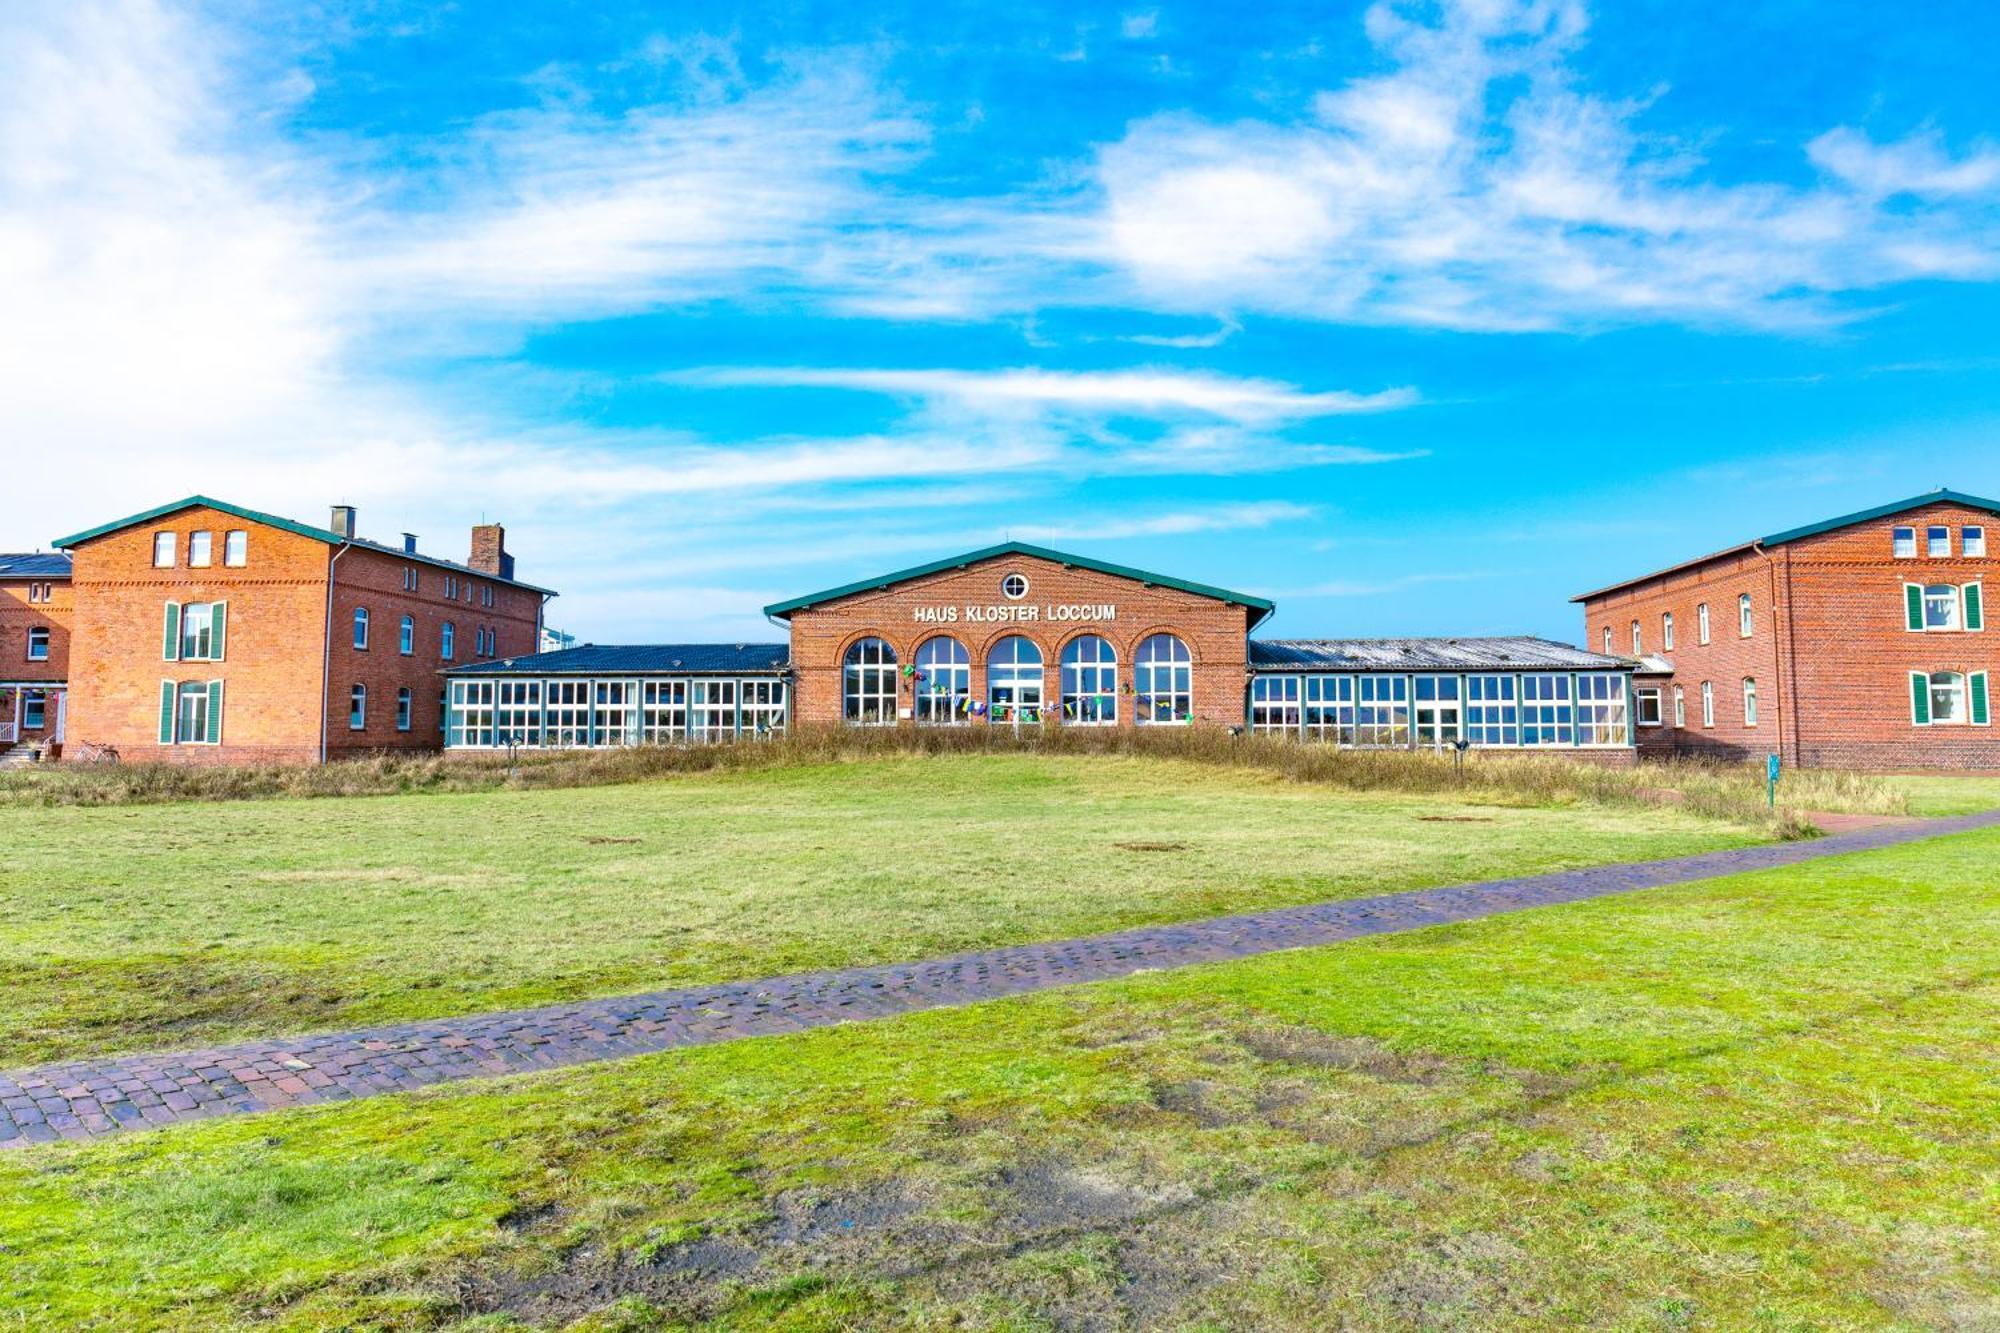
(1856, 642)
(35, 611)
(1023, 636)
(204, 632)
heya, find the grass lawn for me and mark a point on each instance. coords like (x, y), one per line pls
(146, 926)
(1764, 1101)
(1939, 794)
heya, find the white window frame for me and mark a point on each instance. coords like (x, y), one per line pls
(1437, 710)
(1680, 709)
(406, 636)
(38, 636)
(1903, 543)
(1708, 705)
(1749, 701)
(1746, 616)
(235, 548)
(1951, 599)
(1089, 684)
(1702, 632)
(201, 549)
(1936, 535)
(360, 629)
(167, 544)
(406, 707)
(198, 631)
(869, 688)
(1021, 679)
(1603, 709)
(1274, 705)
(357, 708)
(448, 641)
(1607, 641)
(1163, 670)
(1666, 631)
(1972, 542)
(1638, 640)
(1957, 687)
(943, 683)
(1493, 707)
(1644, 695)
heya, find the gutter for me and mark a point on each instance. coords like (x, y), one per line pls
(326, 642)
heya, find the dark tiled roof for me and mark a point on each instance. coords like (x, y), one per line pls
(643, 659)
(1510, 653)
(35, 565)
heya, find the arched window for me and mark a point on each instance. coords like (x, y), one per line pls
(1163, 676)
(1089, 682)
(1014, 681)
(1947, 698)
(407, 642)
(360, 627)
(1749, 701)
(943, 681)
(1941, 606)
(448, 641)
(868, 684)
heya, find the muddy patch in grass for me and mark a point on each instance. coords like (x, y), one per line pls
(1153, 846)
(1451, 1282)
(1304, 1046)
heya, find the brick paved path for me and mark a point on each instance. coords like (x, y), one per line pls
(85, 1099)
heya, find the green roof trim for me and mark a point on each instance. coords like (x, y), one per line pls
(1939, 496)
(201, 502)
(327, 535)
(1262, 606)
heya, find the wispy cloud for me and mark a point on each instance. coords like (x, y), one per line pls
(1176, 523)
(1140, 390)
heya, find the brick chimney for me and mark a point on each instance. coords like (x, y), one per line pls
(489, 551)
(343, 521)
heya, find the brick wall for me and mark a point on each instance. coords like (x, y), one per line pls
(1214, 631)
(375, 579)
(1831, 652)
(272, 661)
(18, 615)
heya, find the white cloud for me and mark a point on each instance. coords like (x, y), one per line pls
(1223, 332)
(1475, 185)
(1236, 399)
(1139, 24)
(1176, 523)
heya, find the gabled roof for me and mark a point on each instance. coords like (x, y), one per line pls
(35, 565)
(645, 659)
(1261, 606)
(1939, 496)
(1514, 652)
(327, 535)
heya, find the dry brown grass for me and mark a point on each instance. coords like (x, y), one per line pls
(1733, 792)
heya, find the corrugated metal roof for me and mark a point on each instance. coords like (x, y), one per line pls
(1509, 653)
(643, 659)
(34, 565)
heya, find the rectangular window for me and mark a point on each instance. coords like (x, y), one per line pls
(38, 643)
(236, 548)
(197, 715)
(198, 632)
(1904, 543)
(470, 716)
(201, 550)
(711, 710)
(164, 545)
(1708, 703)
(1680, 709)
(1745, 623)
(1600, 710)
(1648, 697)
(1437, 711)
(34, 709)
(566, 719)
(1749, 702)
(763, 708)
(1382, 711)
(403, 708)
(663, 711)
(357, 708)
(1937, 543)
(1329, 709)
(406, 637)
(1666, 631)
(1607, 640)
(450, 587)
(1972, 543)
(616, 712)
(1638, 641)
(1701, 623)
(1274, 705)
(1491, 714)
(1548, 717)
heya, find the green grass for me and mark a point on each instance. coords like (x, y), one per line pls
(1946, 793)
(1761, 1102)
(137, 926)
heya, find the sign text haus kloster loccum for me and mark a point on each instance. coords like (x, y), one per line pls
(995, 615)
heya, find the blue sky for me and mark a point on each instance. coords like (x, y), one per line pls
(1417, 318)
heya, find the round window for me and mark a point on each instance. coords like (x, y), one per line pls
(1015, 586)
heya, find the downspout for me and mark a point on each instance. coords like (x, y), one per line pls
(326, 666)
(791, 673)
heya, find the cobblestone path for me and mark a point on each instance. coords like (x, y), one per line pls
(89, 1098)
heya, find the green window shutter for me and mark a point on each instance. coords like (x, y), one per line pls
(221, 618)
(1975, 606)
(1975, 685)
(1920, 698)
(166, 712)
(170, 646)
(215, 712)
(1913, 606)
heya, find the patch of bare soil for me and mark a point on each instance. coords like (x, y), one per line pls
(1153, 846)
(1454, 819)
(1451, 1282)
(1305, 1046)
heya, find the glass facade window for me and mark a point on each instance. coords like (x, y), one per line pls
(868, 684)
(663, 711)
(1382, 711)
(712, 708)
(1548, 715)
(566, 714)
(1014, 681)
(469, 715)
(515, 713)
(1089, 682)
(943, 682)
(1601, 714)
(1274, 705)
(1492, 711)
(1437, 711)
(615, 712)
(1329, 709)
(1163, 676)
(763, 707)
